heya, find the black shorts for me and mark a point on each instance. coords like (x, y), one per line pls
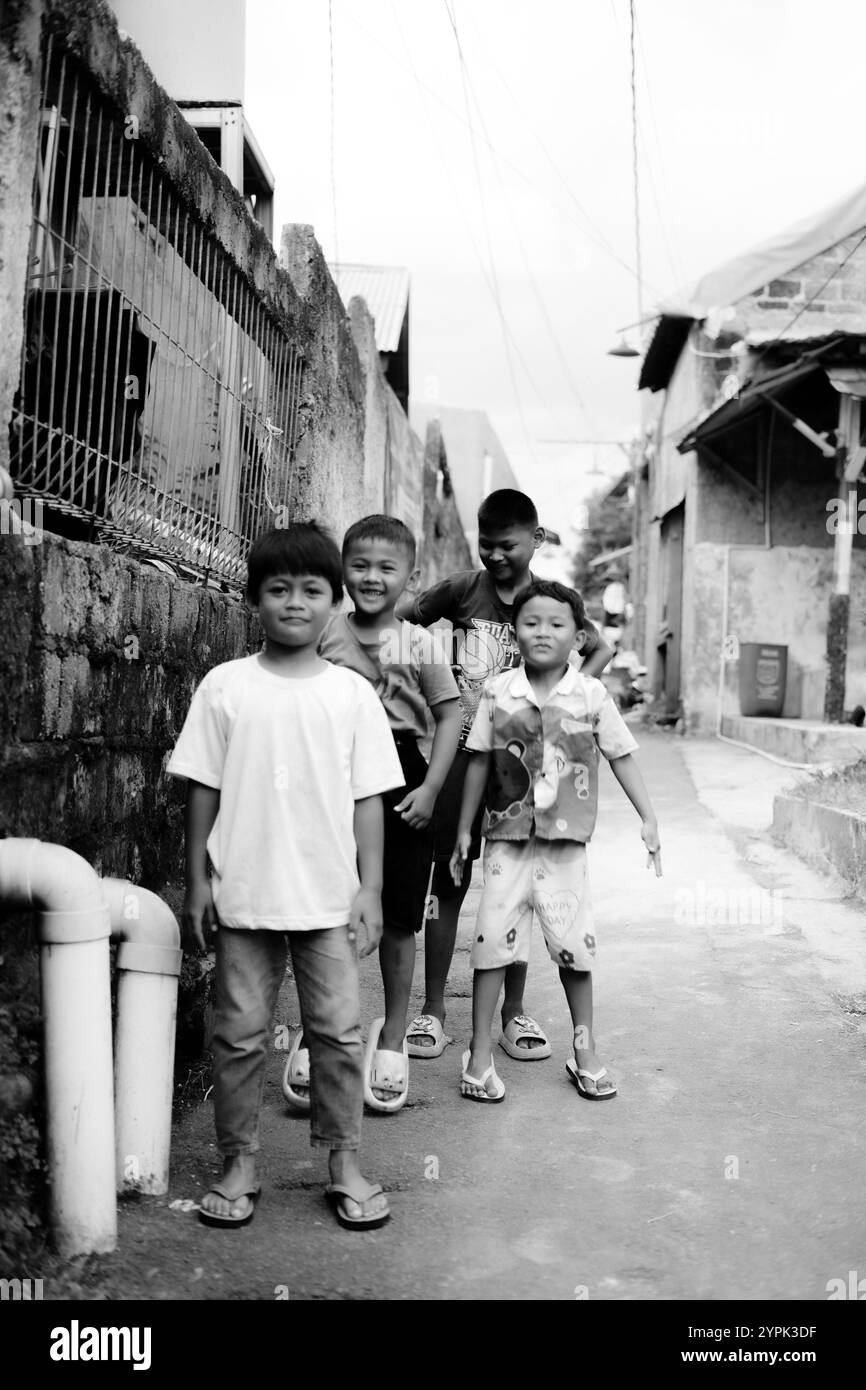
(408, 853)
(448, 812)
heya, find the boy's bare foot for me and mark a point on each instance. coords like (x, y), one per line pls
(365, 1200)
(239, 1176)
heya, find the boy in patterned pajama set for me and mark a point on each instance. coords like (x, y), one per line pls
(534, 746)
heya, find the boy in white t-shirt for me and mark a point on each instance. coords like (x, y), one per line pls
(286, 757)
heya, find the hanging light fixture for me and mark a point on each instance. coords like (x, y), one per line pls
(623, 349)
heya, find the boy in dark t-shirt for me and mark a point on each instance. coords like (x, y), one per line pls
(478, 604)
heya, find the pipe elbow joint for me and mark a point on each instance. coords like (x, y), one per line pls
(57, 882)
(144, 927)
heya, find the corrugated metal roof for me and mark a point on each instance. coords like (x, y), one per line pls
(385, 290)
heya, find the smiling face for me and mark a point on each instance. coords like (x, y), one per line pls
(506, 552)
(294, 608)
(375, 573)
(546, 632)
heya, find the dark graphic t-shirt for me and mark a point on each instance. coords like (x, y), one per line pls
(483, 635)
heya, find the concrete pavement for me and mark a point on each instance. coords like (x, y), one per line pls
(728, 1167)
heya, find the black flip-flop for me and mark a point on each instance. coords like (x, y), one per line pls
(210, 1218)
(575, 1073)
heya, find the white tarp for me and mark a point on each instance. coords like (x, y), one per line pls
(771, 260)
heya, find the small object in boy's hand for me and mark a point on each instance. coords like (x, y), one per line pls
(655, 857)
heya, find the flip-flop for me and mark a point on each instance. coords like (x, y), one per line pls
(481, 1081)
(209, 1218)
(522, 1026)
(336, 1195)
(297, 1073)
(426, 1026)
(575, 1073)
(386, 1071)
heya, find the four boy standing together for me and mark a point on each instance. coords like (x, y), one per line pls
(310, 823)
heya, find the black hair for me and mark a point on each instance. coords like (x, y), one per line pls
(550, 588)
(505, 508)
(381, 528)
(303, 547)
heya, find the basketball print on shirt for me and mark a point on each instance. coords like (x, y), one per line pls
(481, 651)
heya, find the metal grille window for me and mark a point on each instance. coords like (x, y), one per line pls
(157, 406)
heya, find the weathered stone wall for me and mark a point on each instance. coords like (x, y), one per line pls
(95, 686)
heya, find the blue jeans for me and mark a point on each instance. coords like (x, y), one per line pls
(249, 971)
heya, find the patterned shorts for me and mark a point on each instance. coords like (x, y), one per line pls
(547, 877)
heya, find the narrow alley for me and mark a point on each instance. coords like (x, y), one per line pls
(727, 1168)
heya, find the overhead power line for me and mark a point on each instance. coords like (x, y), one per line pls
(494, 282)
(333, 123)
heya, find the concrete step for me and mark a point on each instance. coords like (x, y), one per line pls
(798, 740)
(826, 837)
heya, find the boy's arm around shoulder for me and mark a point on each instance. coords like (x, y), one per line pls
(429, 606)
(598, 653)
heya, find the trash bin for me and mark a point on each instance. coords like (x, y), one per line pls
(763, 673)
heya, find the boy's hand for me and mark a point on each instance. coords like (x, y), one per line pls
(199, 919)
(649, 833)
(417, 808)
(366, 912)
(458, 859)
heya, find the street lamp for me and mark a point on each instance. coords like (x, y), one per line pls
(623, 349)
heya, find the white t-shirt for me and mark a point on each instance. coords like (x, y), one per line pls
(290, 758)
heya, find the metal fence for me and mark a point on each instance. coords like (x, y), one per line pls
(157, 405)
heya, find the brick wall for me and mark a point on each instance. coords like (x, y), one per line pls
(840, 301)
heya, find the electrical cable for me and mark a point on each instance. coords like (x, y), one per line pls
(595, 234)
(635, 167)
(493, 276)
(552, 334)
(333, 176)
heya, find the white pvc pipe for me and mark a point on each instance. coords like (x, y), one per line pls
(148, 964)
(73, 933)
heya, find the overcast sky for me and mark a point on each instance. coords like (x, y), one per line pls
(504, 184)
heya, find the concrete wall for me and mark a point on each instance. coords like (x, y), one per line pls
(779, 595)
(445, 549)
